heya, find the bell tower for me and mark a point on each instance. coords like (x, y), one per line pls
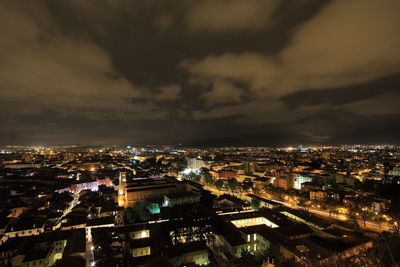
(121, 189)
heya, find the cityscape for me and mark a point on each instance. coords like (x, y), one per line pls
(200, 133)
(177, 206)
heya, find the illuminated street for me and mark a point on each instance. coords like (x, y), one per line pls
(369, 224)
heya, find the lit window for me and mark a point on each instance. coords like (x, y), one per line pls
(143, 234)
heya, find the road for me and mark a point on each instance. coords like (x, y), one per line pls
(89, 248)
(73, 203)
(368, 224)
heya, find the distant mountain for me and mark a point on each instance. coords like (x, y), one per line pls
(265, 139)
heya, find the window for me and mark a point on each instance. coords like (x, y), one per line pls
(137, 252)
(141, 234)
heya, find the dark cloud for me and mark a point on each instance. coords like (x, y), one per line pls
(150, 71)
(230, 15)
(346, 94)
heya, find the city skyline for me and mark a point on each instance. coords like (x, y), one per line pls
(172, 206)
(200, 72)
(184, 133)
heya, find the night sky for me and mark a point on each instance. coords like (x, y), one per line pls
(200, 72)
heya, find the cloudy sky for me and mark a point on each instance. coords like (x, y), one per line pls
(184, 71)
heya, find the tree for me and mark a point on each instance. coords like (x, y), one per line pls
(394, 212)
(206, 199)
(139, 212)
(151, 161)
(363, 212)
(302, 202)
(207, 178)
(336, 213)
(256, 190)
(247, 184)
(192, 176)
(353, 216)
(379, 220)
(159, 261)
(368, 185)
(196, 178)
(255, 203)
(365, 215)
(247, 258)
(130, 215)
(218, 184)
(232, 184)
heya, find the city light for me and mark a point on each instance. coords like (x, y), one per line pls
(200, 133)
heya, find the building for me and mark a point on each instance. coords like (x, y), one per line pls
(226, 174)
(24, 227)
(283, 182)
(344, 179)
(299, 179)
(326, 155)
(261, 182)
(27, 157)
(41, 250)
(181, 198)
(335, 195)
(394, 172)
(250, 166)
(318, 195)
(121, 189)
(23, 166)
(150, 189)
(379, 205)
(267, 203)
(195, 164)
(308, 186)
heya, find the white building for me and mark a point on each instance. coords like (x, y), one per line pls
(195, 164)
(299, 179)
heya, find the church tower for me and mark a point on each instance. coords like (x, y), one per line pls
(121, 189)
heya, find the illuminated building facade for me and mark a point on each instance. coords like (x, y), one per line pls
(318, 195)
(299, 180)
(121, 189)
(195, 164)
(283, 182)
(148, 189)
